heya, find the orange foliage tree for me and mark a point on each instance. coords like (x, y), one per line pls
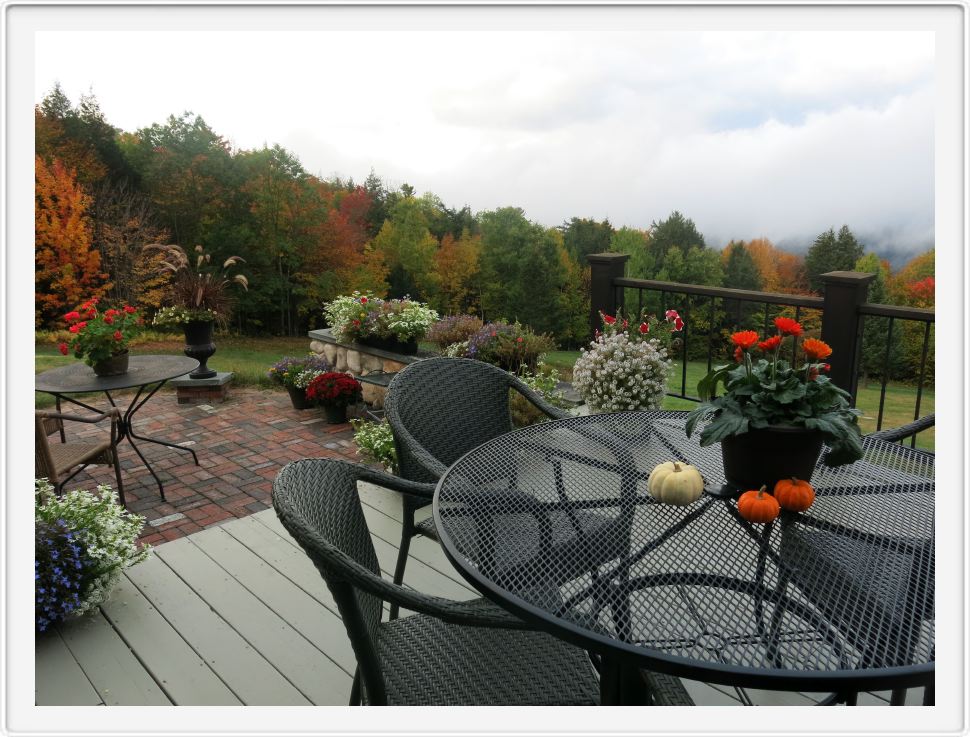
(456, 269)
(67, 267)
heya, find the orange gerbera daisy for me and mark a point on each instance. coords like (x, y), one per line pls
(769, 345)
(816, 349)
(745, 339)
(787, 326)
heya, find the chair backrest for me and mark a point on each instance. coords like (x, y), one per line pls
(448, 406)
(317, 502)
(43, 459)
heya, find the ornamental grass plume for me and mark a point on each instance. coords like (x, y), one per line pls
(768, 391)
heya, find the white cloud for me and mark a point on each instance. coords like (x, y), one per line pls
(776, 134)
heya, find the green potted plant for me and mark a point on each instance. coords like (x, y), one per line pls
(83, 541)
(295, 375)
(101, 338)
(393, 325)
(334, 391)
(774, 415)
(200, 298)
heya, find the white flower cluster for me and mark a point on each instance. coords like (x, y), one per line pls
(616, 374)
(457, 350)
(303, 379)
(412, 321)
(106, 531)
(376, 442)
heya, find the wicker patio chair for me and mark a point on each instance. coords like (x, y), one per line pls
(60, 462)
(452, 652)
(438, 410)
(895, 434)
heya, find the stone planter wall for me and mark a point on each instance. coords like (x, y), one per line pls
(360, 360)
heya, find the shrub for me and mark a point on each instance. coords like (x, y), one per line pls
(453, 329)
(103, 530)
(509, 346)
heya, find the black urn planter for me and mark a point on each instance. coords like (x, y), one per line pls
(391, 345)
(298, 398)
(763, 457)
(199, 345)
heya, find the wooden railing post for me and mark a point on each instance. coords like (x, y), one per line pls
(844, 292)
(604, 268)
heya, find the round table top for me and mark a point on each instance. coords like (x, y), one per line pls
(554, 522)
(78, 377)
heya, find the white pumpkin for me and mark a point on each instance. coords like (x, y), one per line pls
(675, 483)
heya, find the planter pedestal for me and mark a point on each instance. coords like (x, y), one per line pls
(213, 390)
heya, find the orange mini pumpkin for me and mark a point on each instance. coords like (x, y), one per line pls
(758, 506)
(794, 494)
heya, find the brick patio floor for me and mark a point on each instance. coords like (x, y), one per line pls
(242, 443)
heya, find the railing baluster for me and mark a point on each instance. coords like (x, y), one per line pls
(683, 339)
(710, 338)
(885, 371)
(922, 376)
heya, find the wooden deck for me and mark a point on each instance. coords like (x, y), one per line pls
(237, 614)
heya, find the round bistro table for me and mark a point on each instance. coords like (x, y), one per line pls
(147, 373)
(837, 599)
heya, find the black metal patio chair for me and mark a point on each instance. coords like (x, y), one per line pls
(438, 410)
(452, 652)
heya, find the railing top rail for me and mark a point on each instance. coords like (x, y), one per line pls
(744, 295)
(902, 313)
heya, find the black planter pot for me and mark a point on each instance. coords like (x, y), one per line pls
(114, 366)
(298, 398)
(392, 345)
(199, 345)
(336, 413)
(763, 457)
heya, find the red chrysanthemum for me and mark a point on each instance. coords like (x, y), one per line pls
(787, 326)
(745, 339)
(816, 350)
(769, 345)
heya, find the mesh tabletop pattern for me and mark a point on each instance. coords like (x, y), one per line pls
(843, 591)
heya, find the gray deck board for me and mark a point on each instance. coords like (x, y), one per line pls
(109, 664)
(176, 667)
(297, 608)
(238, 614)
(58, 679)
(238, 664)
(312, 672)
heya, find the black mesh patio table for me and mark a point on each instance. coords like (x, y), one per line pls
(836, 599)
(146, 373)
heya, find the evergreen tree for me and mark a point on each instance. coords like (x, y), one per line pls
(875, 331)
(831, 252)
(740, 269)
(676, 230)
(583, 236)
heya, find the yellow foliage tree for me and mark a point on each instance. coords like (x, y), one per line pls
(456, 272)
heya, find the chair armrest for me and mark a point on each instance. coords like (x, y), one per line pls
(893, 434)
(424, 490)
(417, 452)
(114, 412)
(538, 400)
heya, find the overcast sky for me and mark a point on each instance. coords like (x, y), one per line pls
(780, 135)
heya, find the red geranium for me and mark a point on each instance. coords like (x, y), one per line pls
(644, 328)
(63, 348)
(72, 316)
(118, 335)
(129, 309)
(787, 326)
(609, 319)
(102, 334)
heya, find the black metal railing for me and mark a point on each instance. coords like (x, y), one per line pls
(840, 316)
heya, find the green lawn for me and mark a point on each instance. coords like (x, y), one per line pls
(250, 358)
(898, 409)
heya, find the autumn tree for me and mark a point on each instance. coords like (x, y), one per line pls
(831, 252)
(915, 286)
(67, 268)
(457, 274)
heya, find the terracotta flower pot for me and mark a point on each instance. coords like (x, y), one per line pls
(117, 365)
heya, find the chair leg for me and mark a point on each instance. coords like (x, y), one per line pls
(355, 689)
(402, 555)
(121, 487)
